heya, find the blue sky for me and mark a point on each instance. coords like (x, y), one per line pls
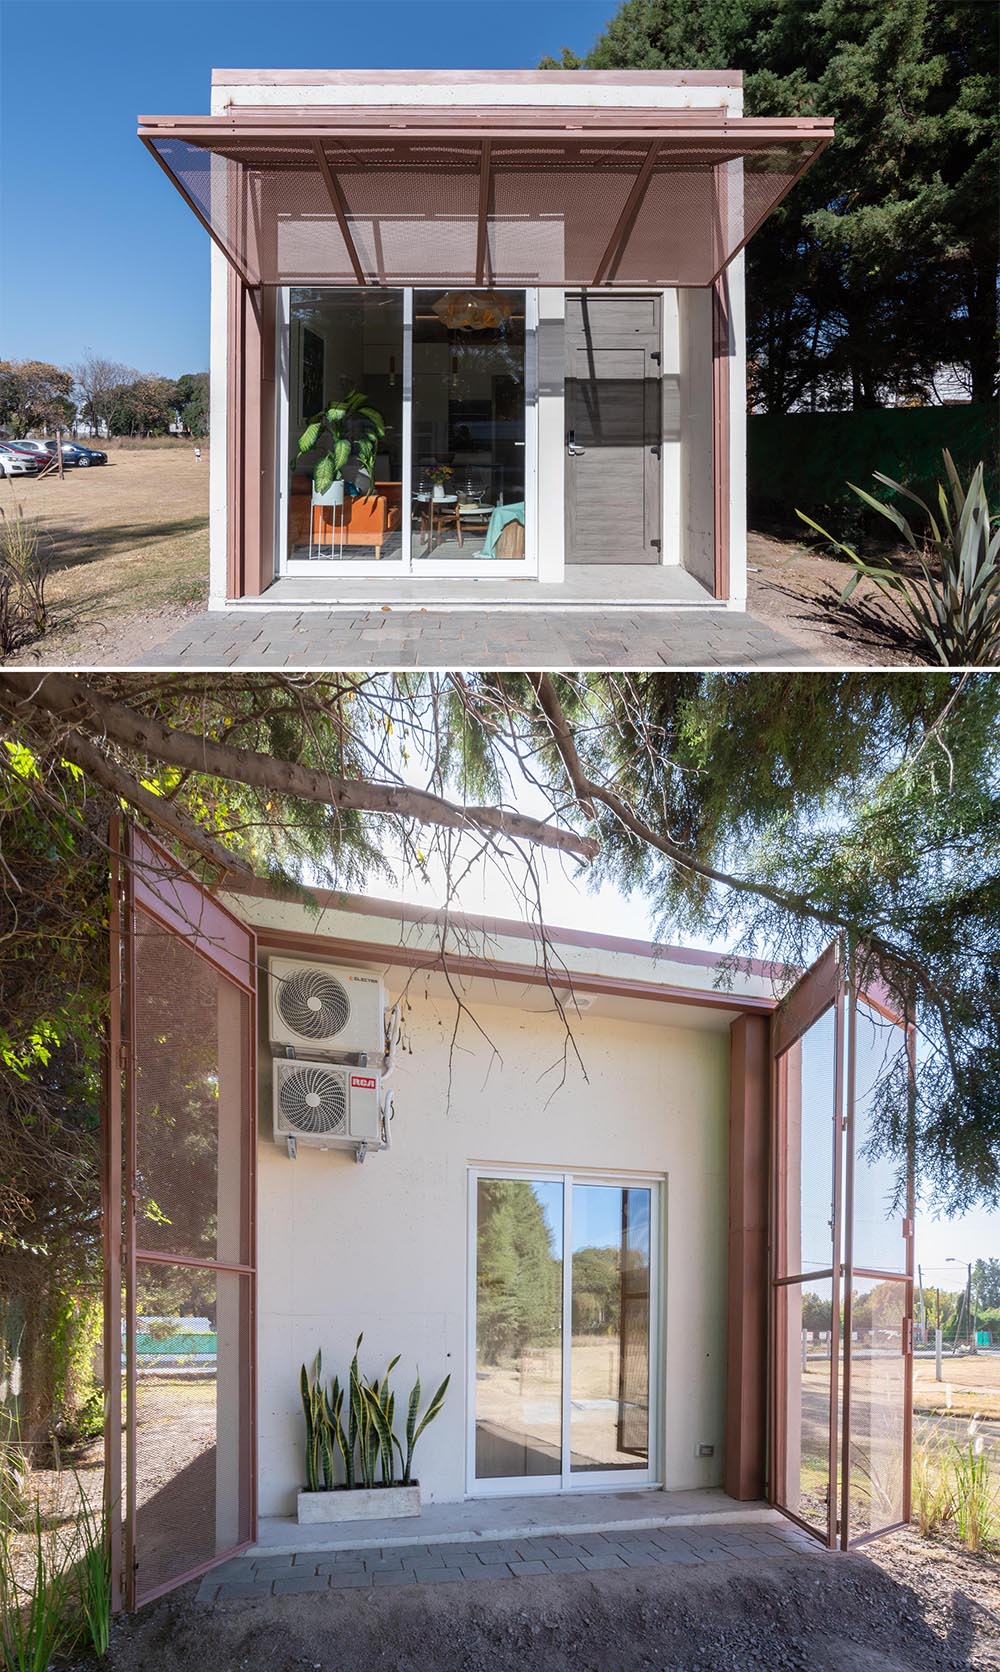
(99, 251)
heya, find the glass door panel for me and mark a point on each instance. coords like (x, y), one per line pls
(876, 1397)
(841, 1368)
(519, 1306)
(564, 1295)
(878, 1286)
(805, 1381)
(878, 1217)
(343, 341)
(806, 1342)
(609, 1355)
(469, 425)
(809, 1092)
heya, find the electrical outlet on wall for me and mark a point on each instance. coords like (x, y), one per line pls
(703, 1449)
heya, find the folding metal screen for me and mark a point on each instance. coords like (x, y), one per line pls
(181, 1252)
(391, 195)
(841, 1260)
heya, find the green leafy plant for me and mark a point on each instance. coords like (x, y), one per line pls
(351, 427)
(93, 1572)
(366, 1443)
(311, 1391)
(36, 1611)
(954, 611)
(933, 1486)
(415, 1427)
(977, 1494)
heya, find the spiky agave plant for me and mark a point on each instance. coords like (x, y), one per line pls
(353, 428)
(955, 613)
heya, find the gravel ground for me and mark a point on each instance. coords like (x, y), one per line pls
(904, 1605)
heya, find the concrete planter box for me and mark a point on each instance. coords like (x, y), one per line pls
(376, 1503)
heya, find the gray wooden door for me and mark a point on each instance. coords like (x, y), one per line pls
(613, 429)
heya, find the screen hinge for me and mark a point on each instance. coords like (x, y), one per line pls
(907, 1347)
(654, 354)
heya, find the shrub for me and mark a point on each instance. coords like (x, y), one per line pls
(24, 571)
(953, 612)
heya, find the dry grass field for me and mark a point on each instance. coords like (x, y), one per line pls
(128, 545)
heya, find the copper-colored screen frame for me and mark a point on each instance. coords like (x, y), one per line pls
(149, 885)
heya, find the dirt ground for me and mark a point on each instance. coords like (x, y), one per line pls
(970, 1385)
(796, 590)
(129, 543)
(905, 1605)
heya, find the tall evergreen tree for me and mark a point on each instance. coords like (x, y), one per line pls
(882, 265)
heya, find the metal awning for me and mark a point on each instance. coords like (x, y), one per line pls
(443, 196)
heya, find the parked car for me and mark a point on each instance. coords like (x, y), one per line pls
(15, 461)
(75, 453)
(28, 444)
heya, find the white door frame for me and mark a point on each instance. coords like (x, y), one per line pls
(525, 568)
(567, 1481)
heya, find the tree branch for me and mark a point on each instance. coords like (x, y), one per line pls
(588, 792)
(165, 814)
(74, 700)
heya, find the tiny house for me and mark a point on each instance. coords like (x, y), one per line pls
(624, 1205)
(533, 283)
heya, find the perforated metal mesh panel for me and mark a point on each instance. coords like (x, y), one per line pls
(563, 211)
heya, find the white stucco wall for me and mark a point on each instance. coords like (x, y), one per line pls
(383, 1247)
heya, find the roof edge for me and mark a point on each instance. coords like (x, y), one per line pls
(510, 927)
(346, 78)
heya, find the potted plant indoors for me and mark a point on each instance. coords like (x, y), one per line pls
(352, 1447)
(352, 428)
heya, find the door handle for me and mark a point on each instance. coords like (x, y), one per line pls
(572, 449)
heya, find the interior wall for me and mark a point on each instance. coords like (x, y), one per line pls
(382, 1248)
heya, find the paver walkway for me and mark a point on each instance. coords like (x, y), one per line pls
(253, 1578)
(467, 639)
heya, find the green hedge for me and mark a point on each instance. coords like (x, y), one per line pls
(804, 460)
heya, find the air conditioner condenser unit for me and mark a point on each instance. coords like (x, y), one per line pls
(325, 1007)
(325, 1105)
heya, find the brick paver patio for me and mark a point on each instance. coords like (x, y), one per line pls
(252, 1578)
(498, 639)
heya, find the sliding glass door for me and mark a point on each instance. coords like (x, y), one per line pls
(429, 470)
(563, 1301)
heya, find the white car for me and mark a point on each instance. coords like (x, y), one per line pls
(44, 449)
(15, 463)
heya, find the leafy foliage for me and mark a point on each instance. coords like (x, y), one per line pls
(350, 428)
(34, 395)
(954, 616)
(881, 266)
(367, 1446)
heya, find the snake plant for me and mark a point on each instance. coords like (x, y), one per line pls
(353, 427)
(312, 1407)
(415, 1428)
(367, 1443)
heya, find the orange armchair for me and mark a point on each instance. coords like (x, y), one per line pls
(367, 521)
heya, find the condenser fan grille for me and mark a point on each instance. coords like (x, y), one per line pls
(313, 1100)
(313, 1005)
